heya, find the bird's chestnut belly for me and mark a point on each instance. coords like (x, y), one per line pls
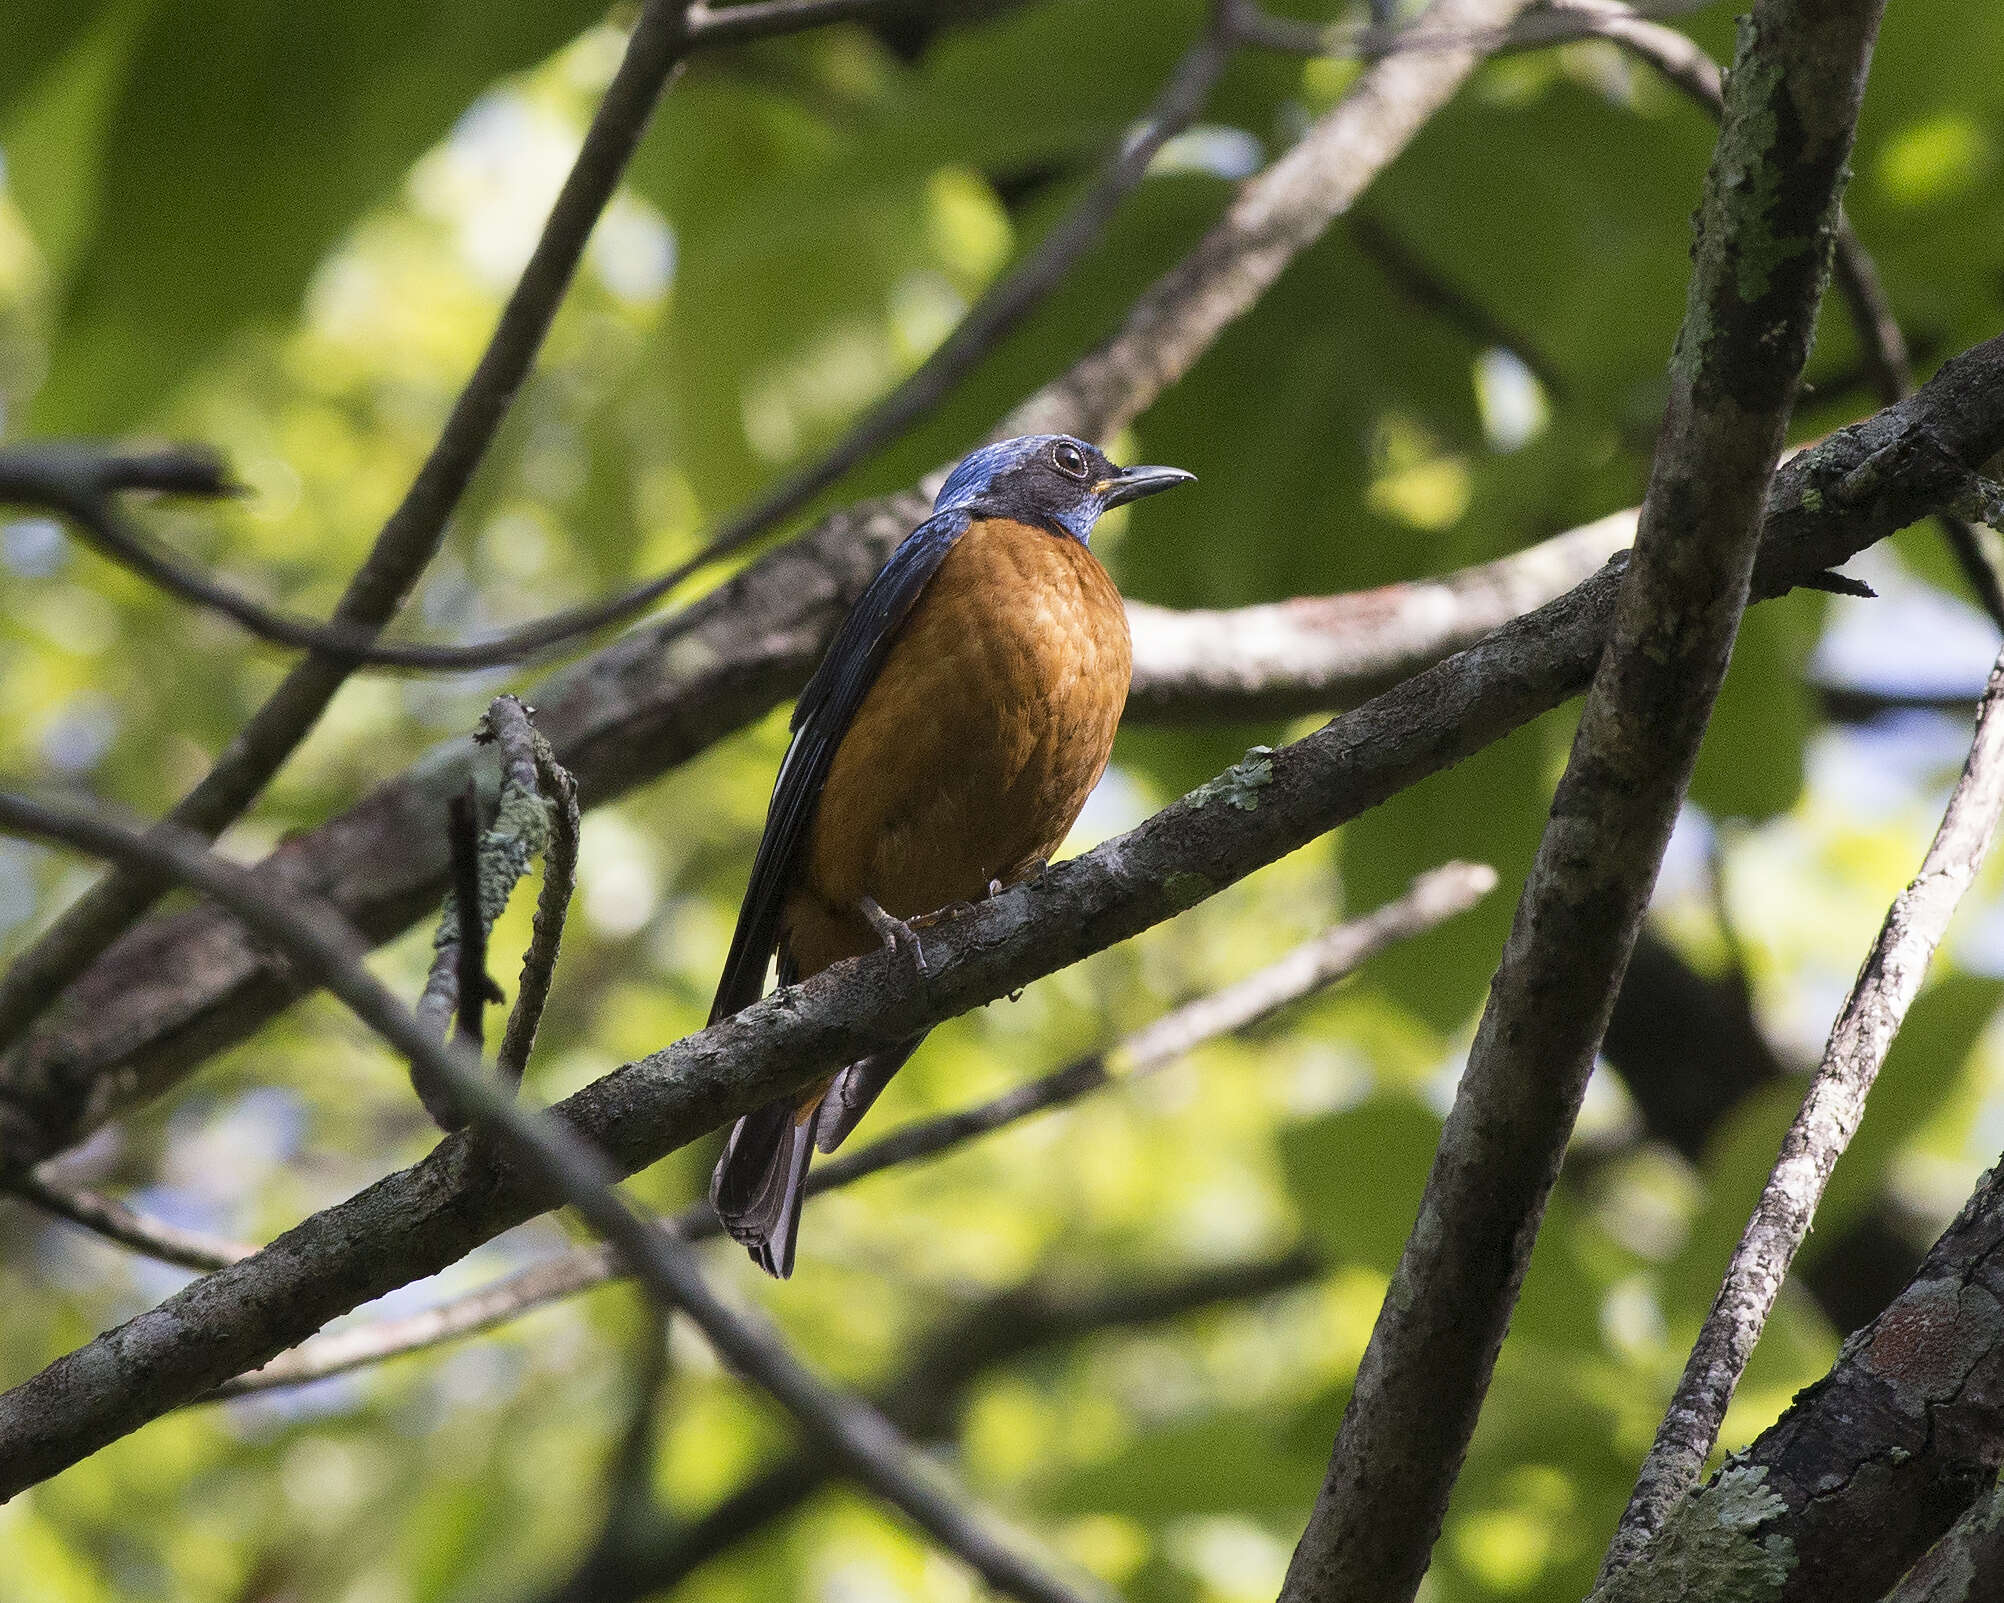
(971, 755)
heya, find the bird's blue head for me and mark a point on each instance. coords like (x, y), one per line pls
(1051, 480)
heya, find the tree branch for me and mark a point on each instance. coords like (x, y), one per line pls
(51, 1089)
(1870, 1465)
(114, 1221)
(1835, 1102)
(1854, 488)
(1761, 259)
(1432, 899)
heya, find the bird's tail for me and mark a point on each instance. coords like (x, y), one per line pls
(758, 1185)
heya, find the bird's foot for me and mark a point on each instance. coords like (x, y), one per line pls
(900, 938)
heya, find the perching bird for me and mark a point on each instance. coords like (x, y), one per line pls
(940, 753)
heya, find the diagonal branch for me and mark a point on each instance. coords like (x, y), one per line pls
(1859, 1040)
(1761, 258)
(1431, 900)
(1856, 487)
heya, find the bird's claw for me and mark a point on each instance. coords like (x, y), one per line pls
(899, 938)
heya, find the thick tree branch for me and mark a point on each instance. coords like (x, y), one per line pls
(1870, 1465)
(1897, 466)
(56, 1085)
(1835, 1102)
(1761, 258)
(1431, 900)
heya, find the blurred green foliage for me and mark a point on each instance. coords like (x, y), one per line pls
(287, 230)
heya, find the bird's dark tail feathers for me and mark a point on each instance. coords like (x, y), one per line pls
(758, 1184)
(761, 1179)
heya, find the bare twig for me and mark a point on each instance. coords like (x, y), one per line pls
(470, 1017)
(1551, 22)
(112, 1219)
(1791, 111)
(407, 542)
(560, 875)
(487, 866)
(1859, 1041)
(565, 1164)
(1431, 900)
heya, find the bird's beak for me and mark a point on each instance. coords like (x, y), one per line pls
(1131, 484)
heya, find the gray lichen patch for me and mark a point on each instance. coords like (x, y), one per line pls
(1239, 785)
(1714, 1547)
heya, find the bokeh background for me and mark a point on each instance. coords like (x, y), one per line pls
(287, 230)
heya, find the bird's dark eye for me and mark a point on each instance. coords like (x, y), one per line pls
(1068, 459)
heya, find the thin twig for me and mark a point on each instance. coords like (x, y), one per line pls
(1431, 899)
(560, 876)
(470, 1018)
(107, 1217)
(1835, 1102)
(408, 540)
(486, 869)
(1551, 22)
(1739, 357)
(570, 1167)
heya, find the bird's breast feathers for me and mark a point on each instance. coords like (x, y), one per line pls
(989, 723)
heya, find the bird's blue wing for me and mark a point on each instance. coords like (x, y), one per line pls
(820, 719)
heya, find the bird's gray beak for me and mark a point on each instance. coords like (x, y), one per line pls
(1131, 484)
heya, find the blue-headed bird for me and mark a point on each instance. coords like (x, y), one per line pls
(940, 753)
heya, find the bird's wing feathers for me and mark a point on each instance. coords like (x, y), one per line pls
(820, 720)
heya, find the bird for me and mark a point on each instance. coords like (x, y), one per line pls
(939, 754)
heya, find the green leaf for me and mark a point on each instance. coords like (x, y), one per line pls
(245, 136)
